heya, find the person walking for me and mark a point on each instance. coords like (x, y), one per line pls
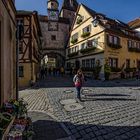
(78, 82)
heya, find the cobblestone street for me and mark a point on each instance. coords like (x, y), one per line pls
(109, 111)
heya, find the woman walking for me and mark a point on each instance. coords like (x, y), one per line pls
(78, 82)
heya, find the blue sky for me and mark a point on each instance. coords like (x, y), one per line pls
(124, 10)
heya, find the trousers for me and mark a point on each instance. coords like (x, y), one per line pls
(78, 89)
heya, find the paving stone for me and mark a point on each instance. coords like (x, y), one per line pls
(68, 101)
(111, 111)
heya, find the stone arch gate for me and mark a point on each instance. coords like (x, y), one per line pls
(58, 56)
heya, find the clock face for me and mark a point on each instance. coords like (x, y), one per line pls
(52, 26)
(53, 15)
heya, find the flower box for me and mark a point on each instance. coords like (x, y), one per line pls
(73, 41)
(86, 34)
(115, 46)
(87, 50)
(72, 54)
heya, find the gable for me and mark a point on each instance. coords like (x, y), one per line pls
(83, 14)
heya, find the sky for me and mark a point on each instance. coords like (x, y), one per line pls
(124, 10)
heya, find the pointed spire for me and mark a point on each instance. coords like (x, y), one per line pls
(70, 5)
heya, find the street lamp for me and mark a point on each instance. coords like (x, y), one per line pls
(95, 22)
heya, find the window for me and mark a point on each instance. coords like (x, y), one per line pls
(92, 63)
(127, 63)
(53, 37)
(83, 63)
(130, 44)
(84, 45)
(94, 42)
(87, 29)
(21, 47)
(68, 51)
(87, 63)
(75, 36)
(21, 71)
(113, 39)
(113, 62)
(76, 48)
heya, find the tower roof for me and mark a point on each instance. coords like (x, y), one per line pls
(70, 5)
(53, 0)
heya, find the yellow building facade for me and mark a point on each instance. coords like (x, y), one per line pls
(97, 38)
(29, 48)
(7, 51)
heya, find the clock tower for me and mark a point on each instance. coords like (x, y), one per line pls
(53, 15)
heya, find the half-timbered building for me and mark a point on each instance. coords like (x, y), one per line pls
(29, 47)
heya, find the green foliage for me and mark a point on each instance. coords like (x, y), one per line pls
(113, 69)
(134, 49)
(86, 34)
(107, 71)
(97, 69)
(86, 50)
(79, 21)
(73, 41)
(72, 54)
(116, 46)
(130, 69)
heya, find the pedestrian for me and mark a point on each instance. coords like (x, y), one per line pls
(46, 71)
(62, 71)
(78, 82)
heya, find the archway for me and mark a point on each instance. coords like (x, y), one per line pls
(53, 59)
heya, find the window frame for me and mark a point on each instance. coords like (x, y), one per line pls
(53, 37)
(21, 73)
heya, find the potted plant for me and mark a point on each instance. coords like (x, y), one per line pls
(86, 34)
(107, 71)
(97, 70)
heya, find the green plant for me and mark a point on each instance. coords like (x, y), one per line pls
(79, 21)
(97, 70)
(130, 69)
(72, 54)
(107, 71)
(73, 41)
(86, 34)
(116, 46)
(113, 69)
(86, 50)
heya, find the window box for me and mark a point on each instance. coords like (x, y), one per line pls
(79, 21)
(114, 69)
(86, 50)
(133, 49)
(116, 46)
(73, 41)
(127, 70)
(72, 54)
(86, 34)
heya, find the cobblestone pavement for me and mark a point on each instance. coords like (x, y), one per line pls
(111, 109)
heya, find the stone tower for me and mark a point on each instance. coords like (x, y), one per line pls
(52, 8)
(69, 9)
